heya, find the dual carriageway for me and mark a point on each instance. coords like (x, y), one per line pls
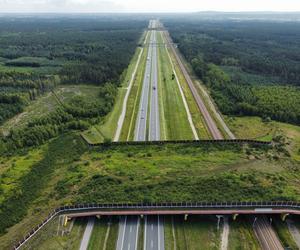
(147, 128)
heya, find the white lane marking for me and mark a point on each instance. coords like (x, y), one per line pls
(130, 229)
(123, 113)
(145, 233)
(87, 234)
(183, 97)
(137, 233)
(152, 244)
(128, 246)
(158, 232)
(125, 221)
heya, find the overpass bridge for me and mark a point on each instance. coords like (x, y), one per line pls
(283, 208)
(204, 208)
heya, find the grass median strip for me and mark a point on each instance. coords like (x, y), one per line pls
(175, 116)
(197, 117)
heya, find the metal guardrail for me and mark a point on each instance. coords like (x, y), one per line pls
(152, 206)
(195, 142)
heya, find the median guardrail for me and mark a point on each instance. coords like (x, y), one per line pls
(292, 205)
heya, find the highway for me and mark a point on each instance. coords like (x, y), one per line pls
(128, 227)
(154, 233)
(87, 234)
(141, 123)
(128, 233)
(154, 124)
(266, 235)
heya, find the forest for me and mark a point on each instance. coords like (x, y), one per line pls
(250, 67)
(38, 54)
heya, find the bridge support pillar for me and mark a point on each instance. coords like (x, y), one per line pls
(66, 219)
(283, 216)
(185, 216)
(234, 216)
(142, 216)
(98, 216)
(219, 220)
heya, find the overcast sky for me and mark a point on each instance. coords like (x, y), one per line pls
(146, 5)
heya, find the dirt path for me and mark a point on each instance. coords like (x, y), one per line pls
(225, 234)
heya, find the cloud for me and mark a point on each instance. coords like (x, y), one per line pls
(145, 5)
(59, 6)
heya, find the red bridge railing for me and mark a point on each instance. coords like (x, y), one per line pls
(291, 205)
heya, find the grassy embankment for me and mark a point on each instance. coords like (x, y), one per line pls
(197, 232)
(255, 128)
(197, 117)
(172, 108)
(283, 233)
(52, 239)
(241, 235)
(104, 235)
(108, 126)
(205, 96)
(67, 171)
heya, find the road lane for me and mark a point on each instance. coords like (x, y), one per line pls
(154, 123)
(141, 123)
(128, 233)
(153, 233)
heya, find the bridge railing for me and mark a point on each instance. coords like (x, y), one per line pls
(157, 205)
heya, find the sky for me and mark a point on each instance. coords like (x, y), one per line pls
(147, 5)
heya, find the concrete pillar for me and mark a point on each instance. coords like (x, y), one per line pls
(185, 217)
(283, 216)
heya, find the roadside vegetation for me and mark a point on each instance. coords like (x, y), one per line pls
(66, 171)
(241, 235)
(191, 233)
(175, 116)
(40, 101)
(283, 233)
(259, 80)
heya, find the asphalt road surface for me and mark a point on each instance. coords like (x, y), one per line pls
(87, 234)
(128, 227)
(154, 233)
(128, 233)
(141, 123)
(154, 124)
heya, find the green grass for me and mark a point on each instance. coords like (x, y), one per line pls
(48, 103)
(127, 132)
(255, 128)
(197, 232)
(170, 242)
(175, 117)
(100, 229)
(241, 235)
(283, 233)
(47, 239)
(68, 171)
(109, 125)
(93, 135)
(113, 234)
(197, 117)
